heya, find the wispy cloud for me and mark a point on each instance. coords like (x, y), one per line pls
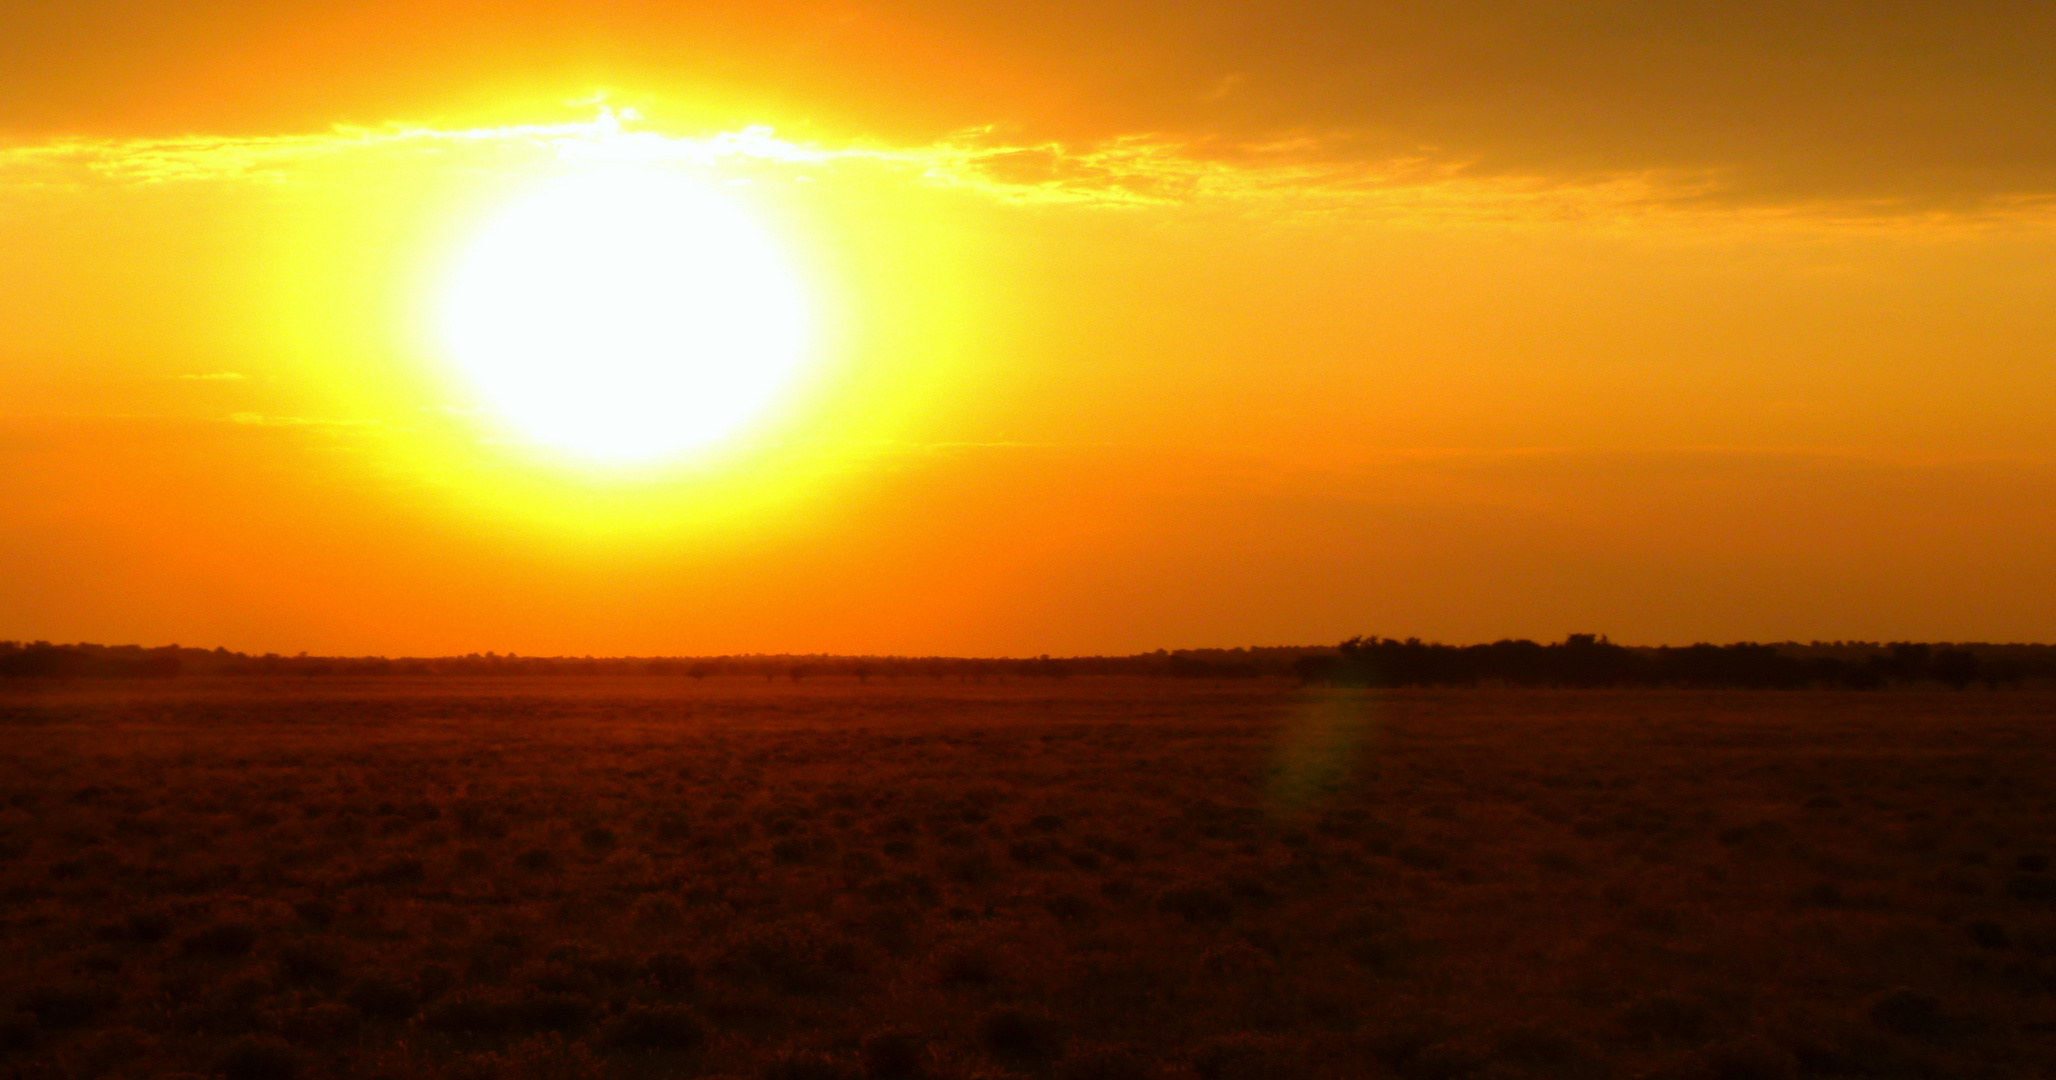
(215, 376)
(1308, 175)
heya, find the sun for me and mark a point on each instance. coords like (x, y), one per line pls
(625, 314)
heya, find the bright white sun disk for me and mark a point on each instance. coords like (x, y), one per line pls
(625, 314)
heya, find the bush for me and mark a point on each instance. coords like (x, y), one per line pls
(61, 1007)
(1987, 934)
(1099, 1062)
(1032, 850)
(324, 1023)
(382, 999)
(17, 1033)
(1670, 1018)
(894, 1054)
(1906, 1012)
(148, 927)
(468, 1015)
(671, 972)
(258, 1059)
(1546, 1052)
(550, 1012)
(1446, 1060)
(2032, 888)
(1750, 1058)
(1196, 903)
(969, 965)
(222, 941)
(1422, 857)
(1020, 1036)
(404, 871)
(656, 1027)
(806, 1065)
(303, 964)
(1248, 1056)
(1069, 907)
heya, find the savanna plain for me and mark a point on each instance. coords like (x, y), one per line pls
(1085, 879)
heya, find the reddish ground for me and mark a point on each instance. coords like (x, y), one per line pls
(1094, 879)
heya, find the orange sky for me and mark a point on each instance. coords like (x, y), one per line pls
(1136, 325)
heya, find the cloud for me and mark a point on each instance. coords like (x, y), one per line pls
(1304, 175)
(215, 376)
(1920, 103)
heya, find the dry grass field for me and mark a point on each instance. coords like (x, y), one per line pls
(1096, 879)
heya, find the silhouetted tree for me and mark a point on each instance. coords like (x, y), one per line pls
(1957, 668)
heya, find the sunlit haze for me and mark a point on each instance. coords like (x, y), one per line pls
(1023, 328)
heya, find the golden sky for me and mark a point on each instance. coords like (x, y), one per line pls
(1131, 325)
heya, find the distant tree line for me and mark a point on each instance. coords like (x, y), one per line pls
(1589, 660)
(42, 660)
(1580, 660)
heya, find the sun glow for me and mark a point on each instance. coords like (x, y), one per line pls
(625, 314)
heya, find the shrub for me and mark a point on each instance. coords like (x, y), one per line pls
(1544, 1051)
(62, 1007)
(467, 1015)
(1749, 1058)
(2032, 888)
(1101, 1062)
(806, 1065)
(1422, 857)
(148, 927)
(1670, 1018)
(222, 941)
(792, 958)
(435, 980)
(382, 999)
(894, 1054)
(1032, 850)
(304, 964)
(1238, 961)
(1249, 1056)
(1020, 1036)
(1196, 903)
(671, 972)
(1446, 1060)
(17, 1033)
(550, 1012)
(403, 871)
(1987, 933)
(1902, 1011)
(323, 1023)
(971, 965)
(973, 867)
(258, 1058)
(1069, 907)
(659, 912)
(656, 1027)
